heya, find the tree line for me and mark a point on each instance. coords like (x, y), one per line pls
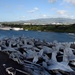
(48, 27)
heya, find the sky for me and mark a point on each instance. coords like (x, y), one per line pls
(15, 10)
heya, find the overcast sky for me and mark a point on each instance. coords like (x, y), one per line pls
(14, 10)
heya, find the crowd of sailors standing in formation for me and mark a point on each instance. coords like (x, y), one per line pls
(39, 57)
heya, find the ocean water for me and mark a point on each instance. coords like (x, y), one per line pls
(48, 36)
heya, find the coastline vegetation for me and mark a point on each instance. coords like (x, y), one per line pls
(52, 28)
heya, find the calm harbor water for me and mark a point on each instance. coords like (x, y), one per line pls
(48, 36)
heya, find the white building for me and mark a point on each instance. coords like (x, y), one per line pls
(27, 24)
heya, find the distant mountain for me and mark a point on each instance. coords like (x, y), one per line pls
(48, 21)
(51, 20)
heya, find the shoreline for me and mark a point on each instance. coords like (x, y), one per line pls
(70, 33)
(47, 28)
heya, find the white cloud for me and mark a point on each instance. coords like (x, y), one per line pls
(64, 14)
(68, 16)
(73, 17)
(44, 16)
(52, 1)
(22, 18)
(36, 8)
(70, 1)
(62, 1)
(33, 10)
(61, 12)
